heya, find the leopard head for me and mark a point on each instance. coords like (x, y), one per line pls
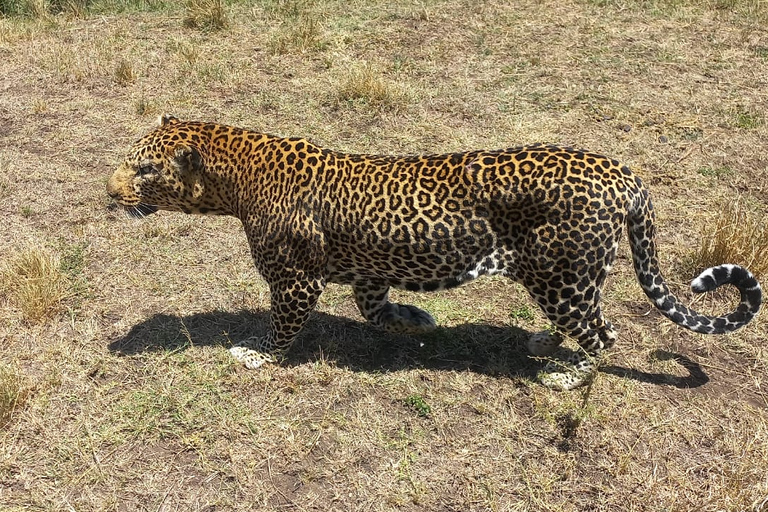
(163, 171)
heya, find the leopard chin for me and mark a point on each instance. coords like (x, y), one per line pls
(141, 210)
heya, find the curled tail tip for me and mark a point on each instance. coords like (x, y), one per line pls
(710, 279)
(715, 277)
(741, 278)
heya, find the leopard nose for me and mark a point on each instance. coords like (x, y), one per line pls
(112, 188)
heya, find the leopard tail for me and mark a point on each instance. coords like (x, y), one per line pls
(642, 240)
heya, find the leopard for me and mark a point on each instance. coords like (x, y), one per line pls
(547, 216)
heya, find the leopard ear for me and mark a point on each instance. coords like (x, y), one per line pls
(166, 119)
(188, 158)
(189, 163)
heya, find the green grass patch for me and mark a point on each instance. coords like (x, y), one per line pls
(73, 258)
(72, 265)
(523, 312)
(716, 171)
(691, 133)
(446, 310)
(747, 119)
(418, 404)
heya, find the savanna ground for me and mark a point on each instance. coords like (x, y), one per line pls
(116, 388)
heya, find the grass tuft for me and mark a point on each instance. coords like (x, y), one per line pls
(300, 31)
(145, 107)
(38, 9)
(5, 185)
(39, 106)
(43, 9)
(75, 8)
(124, 73)
(740, 236)
(206, 15)
(12, 393)
(36, 284)
(367, 85)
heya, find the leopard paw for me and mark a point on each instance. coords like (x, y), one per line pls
(412, 320)
(247, 353)
(544, 343)
(564, 375)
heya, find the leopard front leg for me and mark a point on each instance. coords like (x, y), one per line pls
(373, 302)
(593, 336)
(292, 301)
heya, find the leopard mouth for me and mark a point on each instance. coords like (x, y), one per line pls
(141, 210)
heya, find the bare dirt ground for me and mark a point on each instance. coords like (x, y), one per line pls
(127, 397)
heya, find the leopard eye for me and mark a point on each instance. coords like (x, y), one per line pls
(146, 169)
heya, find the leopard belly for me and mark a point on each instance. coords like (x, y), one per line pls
(421, 278)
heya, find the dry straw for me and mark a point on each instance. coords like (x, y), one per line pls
(12, 393)
(366, 84)
(206, 15)
(35, 284)
(740, 236)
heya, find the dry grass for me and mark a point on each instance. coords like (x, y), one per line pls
(44, 9)
(302, 34)
(299, 26)
(365, 84)
(124, 73)
(136, 404)
(206, 14)
(739, 235)
(12, 393)
(35, 284)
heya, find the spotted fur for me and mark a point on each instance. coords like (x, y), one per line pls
(549, 217)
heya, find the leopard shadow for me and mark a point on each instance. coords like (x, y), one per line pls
(481, 348)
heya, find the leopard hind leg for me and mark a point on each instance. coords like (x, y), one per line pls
(593, 335)
(373, 302)
(575, 315)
